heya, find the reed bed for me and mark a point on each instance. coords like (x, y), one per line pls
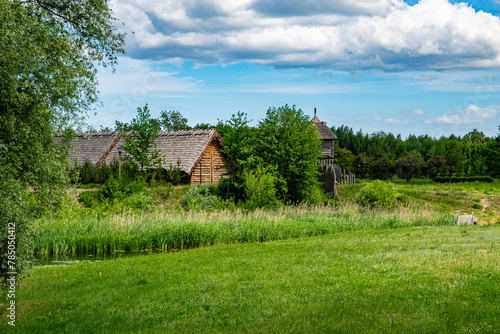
(179, 230)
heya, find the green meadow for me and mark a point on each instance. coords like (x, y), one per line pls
(411, 280)
(337, 267)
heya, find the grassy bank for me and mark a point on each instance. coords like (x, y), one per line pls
(178, 230)
(482, 199)
(413, 279)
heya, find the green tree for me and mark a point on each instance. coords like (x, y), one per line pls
(260, 188)
(492, 156)
(361, 166)
(409, 166)
(436, 166)
(140, 139)
(288, 140)
(343, 157)
(173, 120)
(239, 147)
(49, 54)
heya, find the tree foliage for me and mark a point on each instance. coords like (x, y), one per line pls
(288, 140)
(378, 155)
(173, 120)
(49, 54)
(140, 139)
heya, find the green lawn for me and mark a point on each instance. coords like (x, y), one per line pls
(423, 279)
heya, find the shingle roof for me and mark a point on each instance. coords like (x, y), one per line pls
(325, 132)
(92, 146)
(185, 146)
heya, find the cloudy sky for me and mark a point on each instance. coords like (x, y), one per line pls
(421, 67)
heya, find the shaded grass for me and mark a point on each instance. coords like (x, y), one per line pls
(428, 279)
(178, 230)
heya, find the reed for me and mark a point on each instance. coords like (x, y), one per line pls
(178, 230)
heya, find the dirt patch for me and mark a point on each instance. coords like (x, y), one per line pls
(485, 202)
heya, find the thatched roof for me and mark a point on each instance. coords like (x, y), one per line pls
(185, 146)
(92, 146)
(325, 132)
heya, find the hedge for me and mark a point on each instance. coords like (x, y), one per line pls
(456, 179)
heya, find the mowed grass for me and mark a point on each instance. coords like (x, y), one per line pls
(412, 280)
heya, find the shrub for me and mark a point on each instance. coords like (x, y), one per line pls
(456, 179)
(377, 194)
(113, 188)
(174, 173)
(88, 198)
(260, 188)
(200, 198)
(137, 186)
(87, 172)
(139, 201)
(102, 173)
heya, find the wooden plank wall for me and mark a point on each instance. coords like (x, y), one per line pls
(212, 166)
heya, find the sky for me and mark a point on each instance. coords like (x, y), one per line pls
(405, 67)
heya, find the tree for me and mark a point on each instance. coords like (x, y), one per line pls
(239, 147)
(49, 54)
(361, 166)
(343, 157)
(409, 166)
(140, 139)
(492, 155)
(173, 121)
(288, 140)
(436, 166)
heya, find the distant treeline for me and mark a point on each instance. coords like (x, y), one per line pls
(382, 155)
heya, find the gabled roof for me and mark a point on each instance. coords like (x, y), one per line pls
(92, 146)
(187, 146)
(325, 132)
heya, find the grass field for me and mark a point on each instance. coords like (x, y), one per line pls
(306, 269)
(405, 280)
(482, 199)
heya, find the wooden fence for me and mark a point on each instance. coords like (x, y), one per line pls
(331, 172)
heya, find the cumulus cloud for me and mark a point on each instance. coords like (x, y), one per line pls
(418, 112)
(471, 114)
(344, 35)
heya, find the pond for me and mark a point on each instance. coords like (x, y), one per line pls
(60, 260)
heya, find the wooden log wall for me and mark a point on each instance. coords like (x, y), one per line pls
(326, 177)
(210, 167)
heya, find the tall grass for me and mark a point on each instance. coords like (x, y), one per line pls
(167, 230)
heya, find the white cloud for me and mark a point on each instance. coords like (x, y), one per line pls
(139, 77)
(471, 114)
(391, 120)
(418, 112)
(346, 35)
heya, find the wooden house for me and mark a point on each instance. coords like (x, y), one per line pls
(198, 153)
(327, 137)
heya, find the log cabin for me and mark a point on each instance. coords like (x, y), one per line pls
(198, 153)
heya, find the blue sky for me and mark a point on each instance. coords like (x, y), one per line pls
(420, 67)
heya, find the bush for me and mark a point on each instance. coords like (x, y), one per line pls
(377, 194)
(113, 188)
(202, 198)
(456, 179)
(260, 188)
(139, 201)
(88, 198)
(87, 172)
